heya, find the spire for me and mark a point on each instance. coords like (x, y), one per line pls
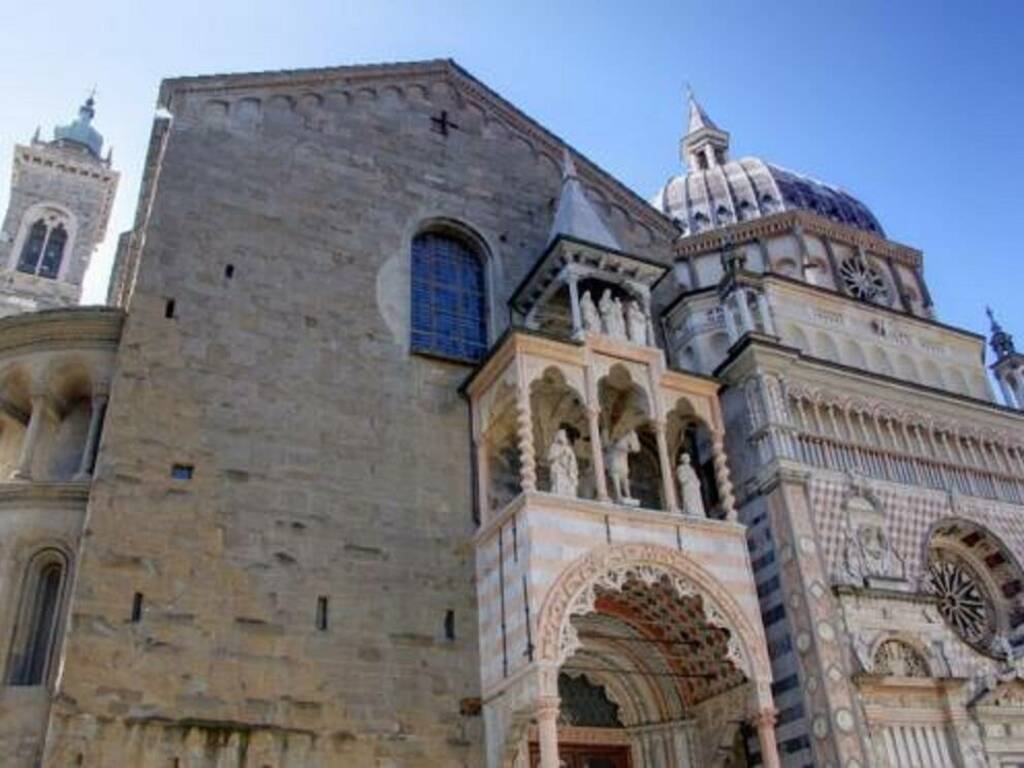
(698, 117)
(705, 145)
(1000, 341)
(576, 216)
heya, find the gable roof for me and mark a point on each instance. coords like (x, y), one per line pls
(470, 91)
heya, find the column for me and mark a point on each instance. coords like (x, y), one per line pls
(597, 453)
(524, 435)
(740, 297)
(766, 314)
(28, 445)
(574, 303)
(99, 407)
(730, 323)
(1008, 397)
(722, 477)
(547, 732)
(650, 318)
(667, 475)
(764, 721)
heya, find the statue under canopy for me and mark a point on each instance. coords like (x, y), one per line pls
(565, 473)
(689, 488)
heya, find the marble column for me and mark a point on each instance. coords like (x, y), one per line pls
(524, 435)
(667, 475)
(766, 314)
(40, 404)
(722, 477)
(597, 453)
(764, 721)
(730, 323)
(1008, 396)
(547, 732)
(747, 320)
(574, 302)
(99, 407)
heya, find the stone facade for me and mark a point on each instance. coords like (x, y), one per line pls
(708, 497)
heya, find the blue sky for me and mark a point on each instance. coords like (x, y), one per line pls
(915, 107)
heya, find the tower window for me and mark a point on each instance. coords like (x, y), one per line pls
(37, 624)
(43, 251)
(448, 298)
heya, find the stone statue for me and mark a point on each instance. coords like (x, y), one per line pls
(637, 323)
(689, 488)
(588, 310)
(565, 473)
(617, 461)
(611, 314)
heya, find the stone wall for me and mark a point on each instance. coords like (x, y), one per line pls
(327, 461)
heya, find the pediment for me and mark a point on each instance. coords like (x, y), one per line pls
(442, 81)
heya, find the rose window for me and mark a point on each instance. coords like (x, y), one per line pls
(863, 281)
(963, 600)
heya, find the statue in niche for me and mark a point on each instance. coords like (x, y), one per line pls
(636, 321)
(617, 461)
(588, 310)
(689, 488)
(565, 473)
(869, 554)
(611, 314)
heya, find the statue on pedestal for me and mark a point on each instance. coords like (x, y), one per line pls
(611, 314)
(637, 323)
(565, 473)
(588, 310)
(689, 488)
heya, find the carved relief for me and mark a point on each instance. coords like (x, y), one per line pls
(897, 658)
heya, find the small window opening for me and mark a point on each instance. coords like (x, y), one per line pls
(229, 271)
(137, 608)
(321, 613)
(169, 309)
(449, 625)
(182, 471)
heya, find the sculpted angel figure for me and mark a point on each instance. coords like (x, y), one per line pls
(637, 323)
(611, 314)
(565, 473)
(591, 317)
(689, 488)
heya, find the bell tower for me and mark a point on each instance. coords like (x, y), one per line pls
(61, 193)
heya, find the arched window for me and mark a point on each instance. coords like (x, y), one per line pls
(36, 629)
(449, 301)
(43, 250)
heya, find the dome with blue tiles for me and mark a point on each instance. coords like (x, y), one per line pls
(717, 191)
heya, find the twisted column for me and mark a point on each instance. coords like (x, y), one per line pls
(722, 477)
(524, 435)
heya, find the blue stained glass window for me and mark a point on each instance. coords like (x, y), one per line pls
(449, 304)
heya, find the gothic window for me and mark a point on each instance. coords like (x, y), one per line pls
(448, 298)
(43, 250)
(863, 281)
(36, 629)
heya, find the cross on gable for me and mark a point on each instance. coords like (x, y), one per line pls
(442, 124)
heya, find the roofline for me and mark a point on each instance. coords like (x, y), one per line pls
(578, 241)
(631, 199)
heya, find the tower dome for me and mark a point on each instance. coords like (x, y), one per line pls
(717, 191)
(80, 134)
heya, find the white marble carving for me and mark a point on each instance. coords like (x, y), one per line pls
(591, 317)
(617, 461)
(611, 314)
(636, 321)
(565, 474)
(689, 488)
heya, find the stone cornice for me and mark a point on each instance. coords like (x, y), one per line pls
(469, 88)
(19, 493)
(787, 221)
(61, 329)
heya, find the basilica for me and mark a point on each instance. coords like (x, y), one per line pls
(409, 437)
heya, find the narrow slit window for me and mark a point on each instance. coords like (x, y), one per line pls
(136, 608)
(321, 613)
(449, 625)
(229, 271)
(169, 309)
(182, 471)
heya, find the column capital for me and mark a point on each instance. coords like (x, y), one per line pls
(547, 708)
(764, 718)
